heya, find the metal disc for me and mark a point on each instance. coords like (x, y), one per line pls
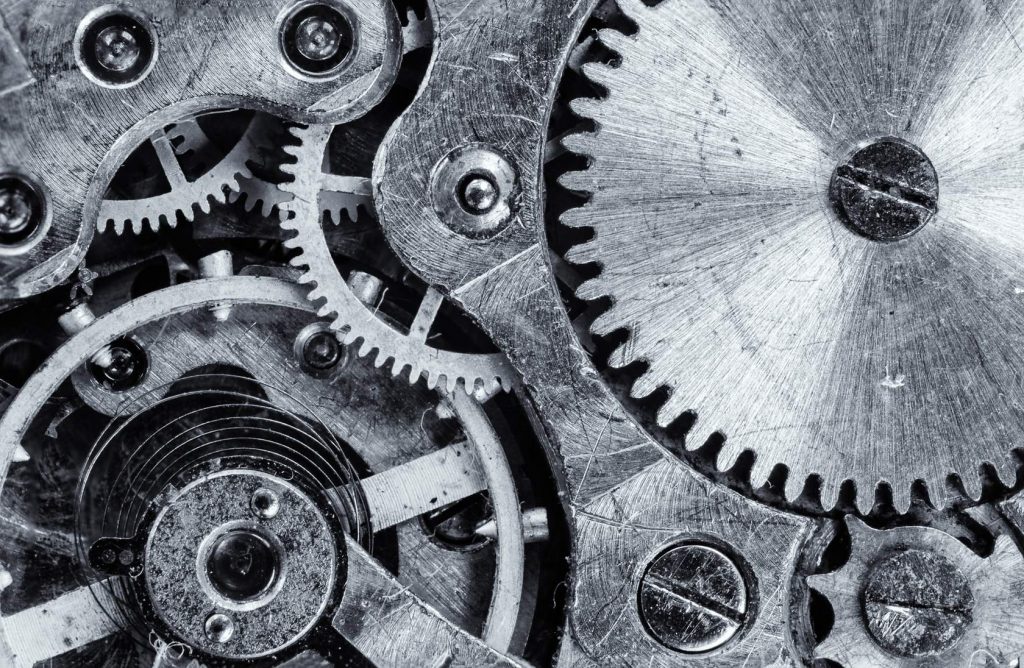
(749, 290)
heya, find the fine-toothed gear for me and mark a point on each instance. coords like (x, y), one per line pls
(481, 373)
(915, 596)
(187, 196)
(806, 222)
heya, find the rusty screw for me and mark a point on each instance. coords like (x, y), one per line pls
(693, 598)
(887, 190)
(917, 604)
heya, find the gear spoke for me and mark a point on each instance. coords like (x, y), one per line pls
(377, 610)
(424, 484)
(68, 622)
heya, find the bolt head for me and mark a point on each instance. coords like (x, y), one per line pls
(322, 351)
(693, 598)
(16, 211)
(117, 49)
(886, 191)
(478, 194)
(265, 503)
(917, 603)
(219, 628)
(317, 38)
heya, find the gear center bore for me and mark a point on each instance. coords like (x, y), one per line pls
(886, 191)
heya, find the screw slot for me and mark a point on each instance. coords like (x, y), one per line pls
(887, 190)
(115, 46)
(316, 39)
(917, 604)
(693, 598)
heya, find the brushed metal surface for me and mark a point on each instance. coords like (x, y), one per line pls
(744, 292)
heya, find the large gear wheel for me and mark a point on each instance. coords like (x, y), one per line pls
(483, 374)
(806, 219)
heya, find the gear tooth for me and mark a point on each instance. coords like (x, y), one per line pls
(761, 471)
(594, 289)
(599, 73)
(828, 493)
(864, 496)
(971, 481)
(580, 182)
(1006, 470)
(727, 456)
(583, 253)
(901, 498)
(581, 143)
(586, 107)
(615, 40)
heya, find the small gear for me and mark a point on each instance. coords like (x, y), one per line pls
(916, 596)
(483, 374)
(186, 197)
(772, 246)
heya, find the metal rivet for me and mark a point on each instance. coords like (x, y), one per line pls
(115, 46)
(478, 194)
(22, 210)
(117, 49)
(315, 39)
(917, 603)
(693, 598)
(265, 503)
(887, 190)
(475, 191)
(219, 628)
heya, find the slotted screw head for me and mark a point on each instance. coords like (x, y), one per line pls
(693, 598)
(887, 190)
(917, 603)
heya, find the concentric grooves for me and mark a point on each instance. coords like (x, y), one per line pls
(744, 293)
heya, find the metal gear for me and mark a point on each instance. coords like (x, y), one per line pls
(391, 497)
(915, 596)
(480, 373)
(805, 221)
(355, 197)
(187, 197)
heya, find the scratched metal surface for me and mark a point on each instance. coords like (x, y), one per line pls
(741, 290)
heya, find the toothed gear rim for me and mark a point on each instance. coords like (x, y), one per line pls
(187, 197)
(744, 293)
(301, 215)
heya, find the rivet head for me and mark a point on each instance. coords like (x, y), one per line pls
(478, 194)
(886, 190)
(115, 46)
(475, 191)
(693, 598)
(917, 603)
(117, 49)
(219, 628)
(265, 503)
(22, 210)
(316, 39)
